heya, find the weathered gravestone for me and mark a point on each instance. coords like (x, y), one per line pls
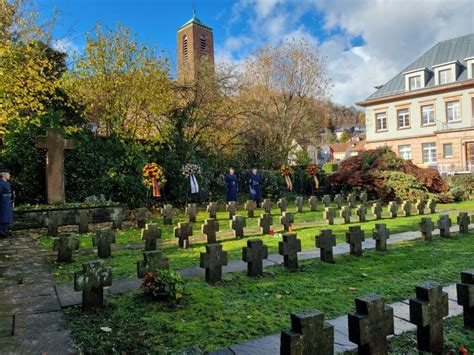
(237, 224)
(289, 248)
(183, 231)
(253, 254)
(444, 225)
(152, 262)
(91, 281)
(287, 221)
(267, 205)
(345, 214)
(406, 208)
(420, 206)
(265, 222)
(362, 212)
(299, 204)
(213, 260)
(370, 325)
(282, 205)
(313, 201)
(191, 211)
(212, 209)
(338, 200)
(83, 218)
(328, 215)
(426, 312)
(393, 209)
(465, 292)
(325, 242)
(150, 234)
(250, 206)
(354, 238)
(142, 215)
(53, 220)
(326, 200)
(432, 205)
(167, 214)
(380, 234)
(463, 222)
(210, 229)
(55, 144)
(117, 217)
(426, 229)
(309, 335)
(103, 240)
(351, 199)
(231, 209)
(377, 210)
(363, 198)
(65, 245)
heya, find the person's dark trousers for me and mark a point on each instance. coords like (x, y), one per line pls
(4, 230)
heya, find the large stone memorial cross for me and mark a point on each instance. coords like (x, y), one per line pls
(265, 222)
(380, 234)
(289, 248)
(91, 281)
(426, 229)
(325, 242)
(253, 254)
(463, 222)
(103, 240)
(65, 246)
(150, 234)
(183, 231)
(213, 260)
(287, 220)
(420, 207)
(210, 229)
(238, 224)
(167, 213)
(345, 214)
(377, 210)
(465, 292)
(444, 225)
(362, 212)
(250, 206)
(354, 238)
(267, 205)
(191, 211)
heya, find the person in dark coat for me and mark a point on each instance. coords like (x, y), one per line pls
(6, 203)
(232, 185)
(255, 182)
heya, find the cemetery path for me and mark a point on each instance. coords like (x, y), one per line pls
(31, 319)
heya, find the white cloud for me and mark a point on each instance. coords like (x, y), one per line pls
(66, 46)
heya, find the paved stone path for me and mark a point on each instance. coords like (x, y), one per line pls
(31, 320)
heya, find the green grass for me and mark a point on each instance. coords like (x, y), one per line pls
(243, 308)
(124, 262)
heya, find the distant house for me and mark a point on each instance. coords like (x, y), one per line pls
(356, 145)
(339, 151)
(299, 145)
(352, 128)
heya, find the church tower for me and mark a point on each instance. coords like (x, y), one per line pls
(195, 43)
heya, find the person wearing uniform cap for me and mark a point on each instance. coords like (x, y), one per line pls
(232, 184)
(6, 205)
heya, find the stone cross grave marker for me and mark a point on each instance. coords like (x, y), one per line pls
(465, 292)
(103, 240)
(362, 212)
(167, 214)
(326, 200)
(312, 201)
(231, 208)
(406, 208)
(355, 237)
(213, 260)
(237, 224)
(444, 225)
(420, 207)
(370, 325)
(153, 261)
(393, 209)
(210, 229)
(191, 211)
(426, 229)
(338, 200)
(377, 210)
(265, 222)
(345, 214)
(117, 217)
(432, 205)
(380, 234)
(289, 248)
(55, 144)
(53, 220)
(282, 204)
(91, 281)
(351, 199)
(309, 334)
(212, 209)
(142, 216)
(287, 221)
(267, 205)
(463, 222)
(83, 218)
(250, 206)
(328, 215)
(426, 312)
(65, 245)
(299, 204)
(253, 254)
(150, 234)
(363, 198)
(183, 231)
(325, 242)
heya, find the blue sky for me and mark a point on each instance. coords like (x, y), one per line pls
(365, 42)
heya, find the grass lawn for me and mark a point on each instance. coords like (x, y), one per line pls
(243, 308)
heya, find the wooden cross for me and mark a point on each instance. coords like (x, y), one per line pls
(309, 334)
(103, 240)
(289, 248)
(55, 144)
(377, 210)
(465, 292)
(363, 198)
(463, 222)
(312, 201)
(237, 224)
(426, 312)
(345, 213)
(406, 208)
(444, 225)
(351, 199)
(326, 241)
(65, 246)
(183, 231)
(426, 229)
(210, 229)
(231, 208)
(152, 262)
(212, 209)
(354, 238)
(328, 215)
(91, 281)
(213, 260)
(142, 215)
(420, 207)
(282, 204)
(299, 204)
(370, 325)
(267, 205)
(167, 213)
(83, 218)
(150, 234)
(380, 234)
(250, 206)
(265, 222)
(432, 206)
(326, 200)
(191, 211)
(361, 212)
(253, 254)
(287, 219)
(338, 200)
(117, 217)
(393, 209)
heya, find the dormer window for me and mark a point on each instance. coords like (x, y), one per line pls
(414, 82)
(416, 79)
(445, 76)
(470, 67)
(446, 73)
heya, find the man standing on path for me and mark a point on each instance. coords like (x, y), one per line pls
(254, 184)
(6, 203)
(232, 185)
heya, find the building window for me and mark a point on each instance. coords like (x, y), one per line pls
(185, 49)
(414, 82)
(381, 121)
(429, 153)
(453, 111)
(445, 76)
(427, 115)
(203, 45)
(403, 118)
(448, 150)
(404, 151)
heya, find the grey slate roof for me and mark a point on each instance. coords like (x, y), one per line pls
(446, 51)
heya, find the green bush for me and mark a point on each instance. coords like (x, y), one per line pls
(329, 168)
(403, 186)
(461, 187)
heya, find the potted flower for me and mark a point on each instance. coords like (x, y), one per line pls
(164, 285)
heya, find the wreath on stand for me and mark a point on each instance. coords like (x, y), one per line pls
(154, 178)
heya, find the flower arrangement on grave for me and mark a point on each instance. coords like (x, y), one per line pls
(154, 177)
(286, 171)
(190, 171)
(312, 171)
(164, 284)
